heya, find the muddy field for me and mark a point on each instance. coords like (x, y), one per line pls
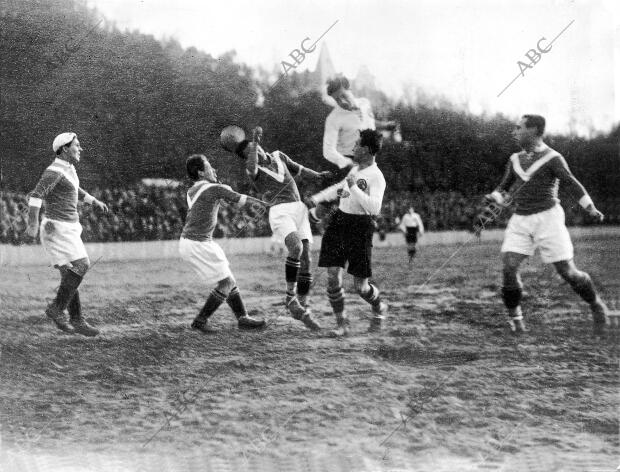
(443, 388)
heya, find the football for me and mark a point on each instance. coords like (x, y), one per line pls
(231, 137)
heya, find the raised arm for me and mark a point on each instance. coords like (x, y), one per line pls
(330, 141)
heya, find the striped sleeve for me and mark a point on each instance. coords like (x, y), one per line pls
(293, 167)
(46, 184)
(559, 167)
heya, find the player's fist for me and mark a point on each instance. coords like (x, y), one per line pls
(595, 214)
(309, 202)
(32, 230)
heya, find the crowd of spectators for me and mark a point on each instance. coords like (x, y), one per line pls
(143, 212)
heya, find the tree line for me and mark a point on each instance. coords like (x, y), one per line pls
(141, 106)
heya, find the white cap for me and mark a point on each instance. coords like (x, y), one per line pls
(62, 139)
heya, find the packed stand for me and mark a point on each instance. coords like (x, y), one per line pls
(143, 213)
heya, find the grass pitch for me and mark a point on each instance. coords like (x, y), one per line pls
(443, 387)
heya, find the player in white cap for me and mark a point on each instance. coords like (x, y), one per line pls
(59, 187)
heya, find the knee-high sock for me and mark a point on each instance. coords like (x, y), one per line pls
(291, 269)
(336, 299)
(215, 299)
(75, 307)
(583, 286)
(235, 302)
(69, 282)
(304, 281)
(512, 297)
(372, 296)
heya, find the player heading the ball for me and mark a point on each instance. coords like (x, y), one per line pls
(273, 176)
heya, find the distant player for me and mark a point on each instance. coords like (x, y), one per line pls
(348, 237)
(204, 255)
(411, 224)
(533, 176)
(61, 231)
(272, 174)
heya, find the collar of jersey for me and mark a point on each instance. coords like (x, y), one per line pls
(526, 175)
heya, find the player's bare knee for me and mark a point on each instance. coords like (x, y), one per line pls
(293, 245)
(226, 285)
(361, 285)
(567, 270)
(80, 266)
(334, 280)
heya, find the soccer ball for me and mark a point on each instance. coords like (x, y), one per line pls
(231, 137)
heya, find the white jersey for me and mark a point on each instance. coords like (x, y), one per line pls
(411, 221)
(363, 198)
(342, 129)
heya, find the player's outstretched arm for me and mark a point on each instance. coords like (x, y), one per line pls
(330, 142)
(33, 220)
(88, 198)
(562, 172)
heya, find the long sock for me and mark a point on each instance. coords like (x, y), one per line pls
(291, 269)
(336, 299)
(372, 296)
(235, 302)
(75, 307)
(512, 297)
(583, 286)
(69, 283)
(304, 281)
(216, 298)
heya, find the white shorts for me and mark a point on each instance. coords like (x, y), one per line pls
(62, 241)
(284, 218)
(545, 230)
(207, 258)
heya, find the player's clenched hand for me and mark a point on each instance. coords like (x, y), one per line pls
(101, 206)
(255, 202)
(32, 230)
(309, 202)
(595, 214)
(351, 180)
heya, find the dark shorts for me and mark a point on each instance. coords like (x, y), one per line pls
(411, 236)
(348, 238)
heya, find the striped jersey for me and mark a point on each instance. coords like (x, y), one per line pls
(59, 187)
(203, 202)
(273, 179)
(533, 179)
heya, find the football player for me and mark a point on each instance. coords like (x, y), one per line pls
(348, 237)
(198, 248)
(61, 231)
(532, 177)
(411, 224)
(273, 176)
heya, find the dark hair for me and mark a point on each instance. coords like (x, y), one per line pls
(535, 121)
(193, 164)
(336, 83)
(372, 140)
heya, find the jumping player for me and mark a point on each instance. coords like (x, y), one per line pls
(272, 175)
(348, 237)
(59, 187)
(342, 128)
(411, 224)
(198, 248)
(538, 222)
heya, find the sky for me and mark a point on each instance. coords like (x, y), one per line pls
(467, 51)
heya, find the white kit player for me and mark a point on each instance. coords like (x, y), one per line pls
(413, 227)
(199, 250)
(59, 188)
